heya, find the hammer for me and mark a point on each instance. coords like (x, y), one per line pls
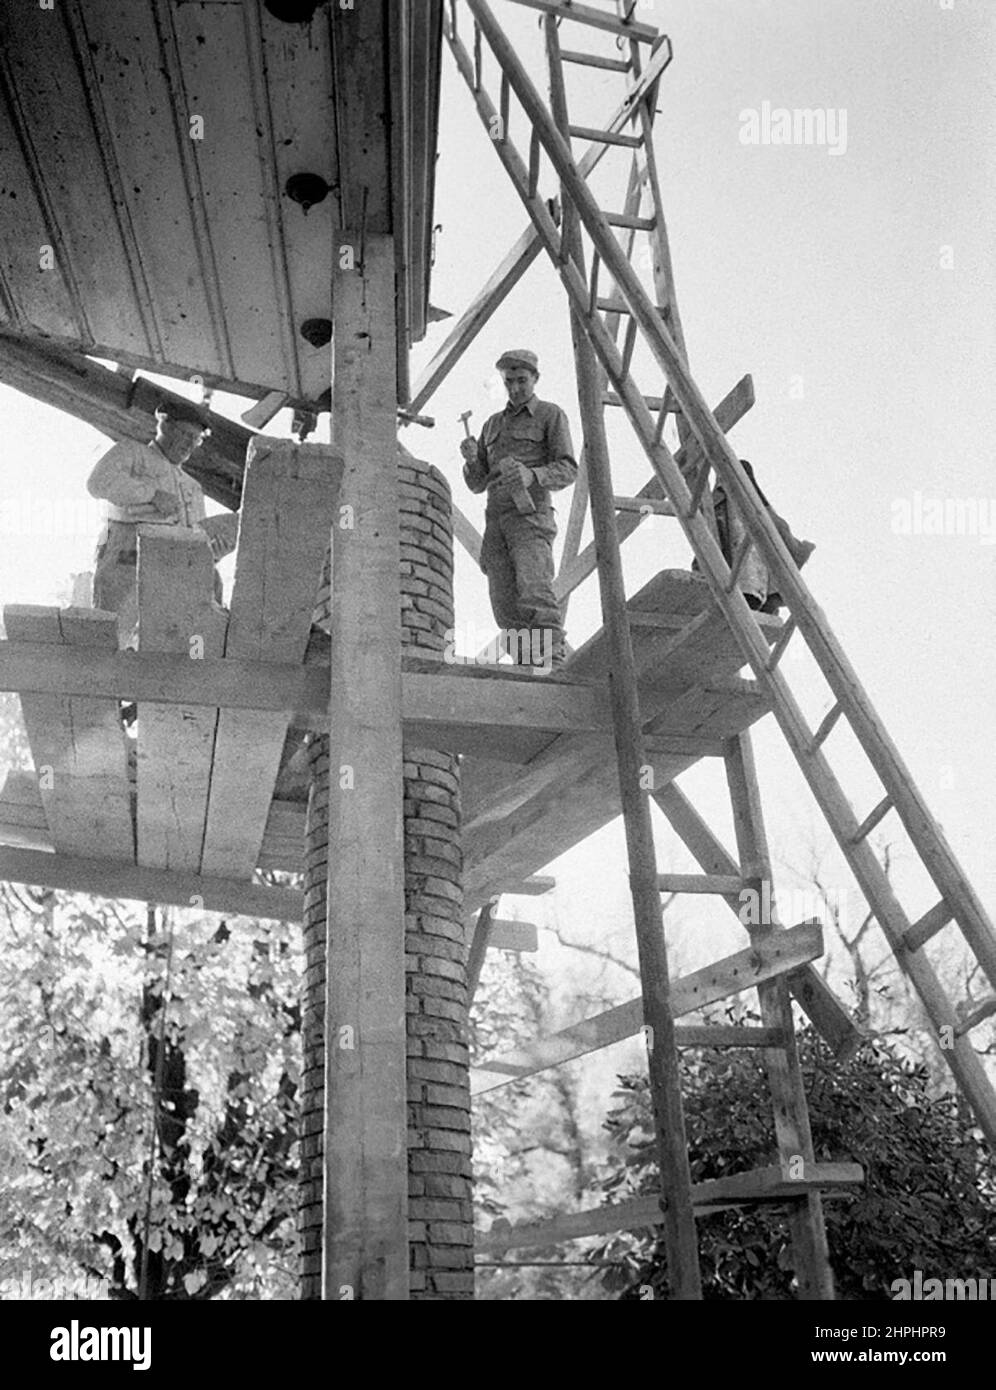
(463, 420)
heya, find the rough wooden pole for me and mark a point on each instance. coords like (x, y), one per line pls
(680, 1238)
(810, 1252)
(366, 1189)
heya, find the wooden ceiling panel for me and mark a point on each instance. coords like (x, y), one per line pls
(150, 143)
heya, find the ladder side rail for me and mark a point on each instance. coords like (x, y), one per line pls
(579, 500)
(665, 289)
(936, 855)
(665, 1079)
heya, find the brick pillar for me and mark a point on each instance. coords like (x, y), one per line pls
(439, 1146)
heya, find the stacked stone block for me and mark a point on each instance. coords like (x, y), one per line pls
(439, 1144)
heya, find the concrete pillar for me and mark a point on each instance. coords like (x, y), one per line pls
(439, 1146)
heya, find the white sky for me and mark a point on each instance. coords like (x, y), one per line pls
(792, 264)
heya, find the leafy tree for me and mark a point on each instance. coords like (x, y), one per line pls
(115, 1027)
(928, 1201)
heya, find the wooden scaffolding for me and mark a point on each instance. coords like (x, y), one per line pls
(546, 763)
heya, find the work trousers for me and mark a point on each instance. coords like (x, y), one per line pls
(517, 557)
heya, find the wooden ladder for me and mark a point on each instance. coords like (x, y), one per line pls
(705, 457)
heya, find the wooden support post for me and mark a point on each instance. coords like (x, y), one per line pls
(480, 941)
(795, 1141)
(366, 1179)
(680, 1238)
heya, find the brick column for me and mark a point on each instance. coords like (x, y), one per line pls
(439, 1146)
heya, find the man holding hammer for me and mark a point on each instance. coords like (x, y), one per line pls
(524, 453)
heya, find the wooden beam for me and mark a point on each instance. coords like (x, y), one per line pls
(462, 696)
(286, 521)
(365, 1137)
(760, 1185)
(123, 407)
(479, 942)
(508, 935)
(532, 886)
(109, 878)
(467, 534)
(699, 883)
(496, 289)
(780, 954)
(78, 744)
(176, 613)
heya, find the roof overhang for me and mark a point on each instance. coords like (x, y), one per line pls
(146, 147)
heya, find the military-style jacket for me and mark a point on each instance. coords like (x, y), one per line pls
(129, 475)
(538, 435)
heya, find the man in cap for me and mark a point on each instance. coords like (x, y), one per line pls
(142, 484)
(524, 453)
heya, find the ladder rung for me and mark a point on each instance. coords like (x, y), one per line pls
(534, 162)
(823, 732)
(647, 506)
(629, 343)
(652, 403)
(928, 925)
(778, 650)
(979, 1014)
(636, 224)
(869, 823)
(726, 1035)
(596, 263)
(699, 883)
(606, 137)
(594, 60)
(743, 550)
(701, 483)
(619, 306)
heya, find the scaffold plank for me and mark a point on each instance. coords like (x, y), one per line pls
(758, 1185)
(779, 954)
(78, 744)
(175, 744)
(288, 504)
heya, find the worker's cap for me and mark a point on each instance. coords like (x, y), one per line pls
(520, 357)
(185, 411)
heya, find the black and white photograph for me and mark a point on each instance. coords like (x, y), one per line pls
(497, 668)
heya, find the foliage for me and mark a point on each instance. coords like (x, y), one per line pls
(82, 990)
(928, 1201)
(528, 1149)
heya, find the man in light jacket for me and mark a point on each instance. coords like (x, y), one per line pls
(141, 484)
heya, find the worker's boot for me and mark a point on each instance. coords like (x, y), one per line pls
(556, 647)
